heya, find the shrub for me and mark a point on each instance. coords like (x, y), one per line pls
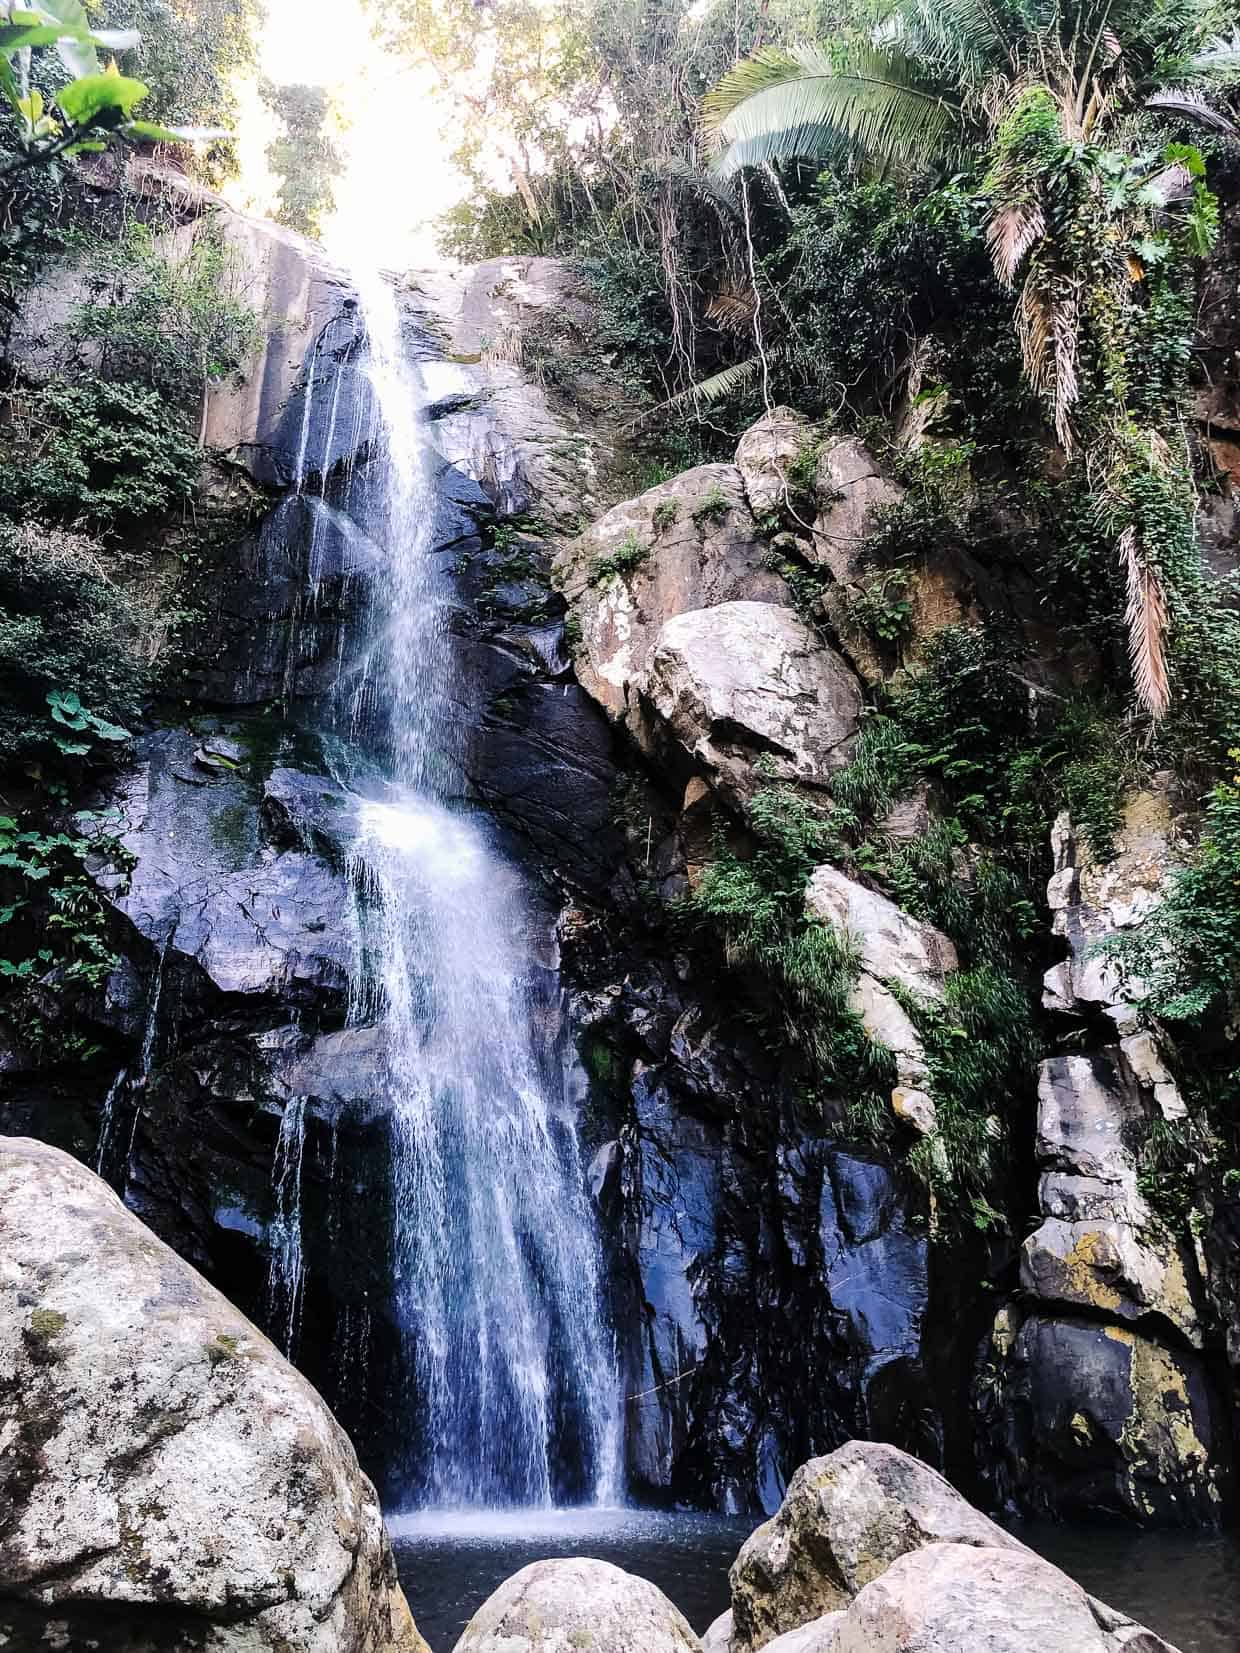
(97, 455)
(627, 556)
(66, 631)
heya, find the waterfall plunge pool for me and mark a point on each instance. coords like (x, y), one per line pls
(1186, 1586)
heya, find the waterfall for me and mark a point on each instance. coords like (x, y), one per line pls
(286, 1270)
(511, 1395)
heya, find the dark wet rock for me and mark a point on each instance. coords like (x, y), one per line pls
(1101, 1421)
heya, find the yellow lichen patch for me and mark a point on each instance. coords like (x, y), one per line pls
(1092, 1257)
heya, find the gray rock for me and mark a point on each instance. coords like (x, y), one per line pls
(947, 1598)
(1098, 1247)
(851, 487)
(817, 1637)
(571, 1605)
(701, 547)
(1092, 901)
(1112, 1268)
(718, 1636)
(746, 680)
(895, 950)
(160, 1459)
(764, 455)
(894, 946)
(844, 1520)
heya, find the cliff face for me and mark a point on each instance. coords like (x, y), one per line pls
(778, 1286)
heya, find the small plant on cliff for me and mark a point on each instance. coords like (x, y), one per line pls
(882, 608)
(627, 556)
(713, 508)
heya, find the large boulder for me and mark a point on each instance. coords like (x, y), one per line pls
(687, 544)
(573, 1605)
(844, 1520)
(873, 1552)
(765, 456)
(947, 1598)
(745, 681)
(163, 1470)
(851, 487)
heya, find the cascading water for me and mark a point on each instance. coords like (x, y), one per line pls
(512, 1393)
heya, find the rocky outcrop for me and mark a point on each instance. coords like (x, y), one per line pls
(1095, 1382)
(895, 952)
(164, 1471)
(528, 412)
(873, 1552)
(766, 455)
(560, 1606)
(685, 545)
(844, 1520)
(851, 486)
(743, 682)
(1094, 899)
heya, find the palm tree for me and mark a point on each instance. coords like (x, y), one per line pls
(1051, 93)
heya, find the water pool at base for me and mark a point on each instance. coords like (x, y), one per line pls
(1184, 1585)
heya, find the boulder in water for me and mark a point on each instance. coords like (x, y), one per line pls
(844, 1520)
(873, 1552)
(164, 1472)
(577, 1605)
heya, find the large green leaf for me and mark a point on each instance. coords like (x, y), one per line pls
(153, 132)
(86, 99)
(77, 40)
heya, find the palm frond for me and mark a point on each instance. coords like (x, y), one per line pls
(1011, 232)
(676, 174)
(1217, 61)
(733, 308)
(967, 41)
(1191, 106)
(1146, 618)
(801, 106)
(718, 387)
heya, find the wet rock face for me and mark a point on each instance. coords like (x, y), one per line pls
(163, 1469)
(560, 1606)
(1093, 1384)
(872, 1551)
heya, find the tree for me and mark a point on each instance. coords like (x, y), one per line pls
(304, 158)
(1053, 97)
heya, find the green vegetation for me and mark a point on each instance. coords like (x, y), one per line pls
(172, 321)
(1187, 953)
(94, 455)
(628, 555)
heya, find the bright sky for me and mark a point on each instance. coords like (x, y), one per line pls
(397, 177)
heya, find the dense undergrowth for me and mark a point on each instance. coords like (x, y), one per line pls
(99, 471)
